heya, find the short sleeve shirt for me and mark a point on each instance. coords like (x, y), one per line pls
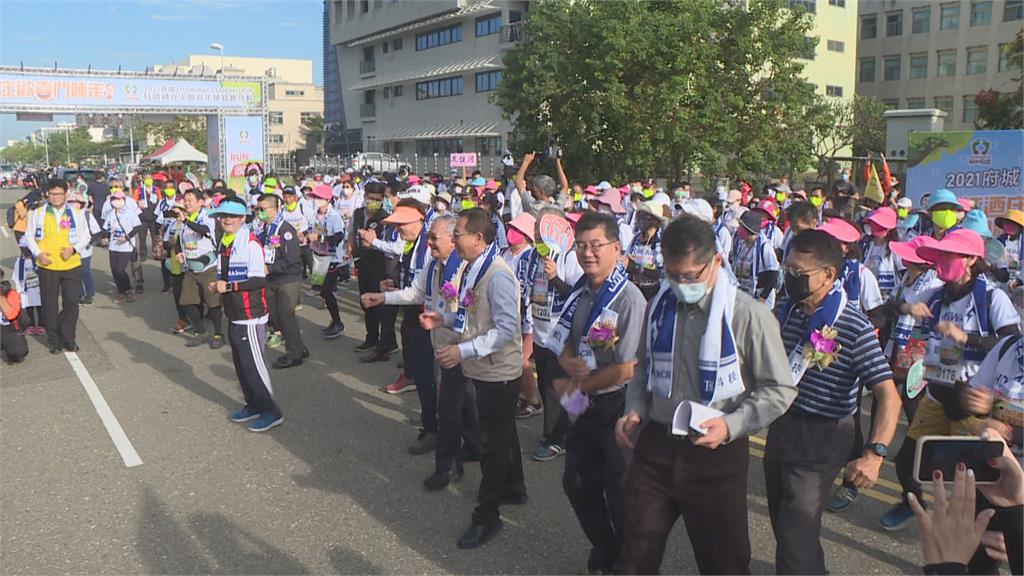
(626, 311)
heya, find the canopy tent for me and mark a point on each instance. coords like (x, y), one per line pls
(181, 151)
(167, 146)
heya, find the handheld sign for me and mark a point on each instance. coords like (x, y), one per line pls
(462, 159)
(556, 233)
(915, 379)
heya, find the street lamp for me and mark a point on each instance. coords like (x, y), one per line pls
(220, 48)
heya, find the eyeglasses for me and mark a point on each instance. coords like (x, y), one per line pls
(584, 247)
(690, 278)
(789, 270)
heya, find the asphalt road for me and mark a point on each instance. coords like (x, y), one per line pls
(331, 490)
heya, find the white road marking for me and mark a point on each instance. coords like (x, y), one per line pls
(6, 233)
(121, 441)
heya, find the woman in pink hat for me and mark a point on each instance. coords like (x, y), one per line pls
(880, 230)
(519, 233)
(961, 321)
(860, 283)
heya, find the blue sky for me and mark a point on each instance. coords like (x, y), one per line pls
(134, 34)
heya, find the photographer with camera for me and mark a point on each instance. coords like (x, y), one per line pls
(542, 191)
(12, 342)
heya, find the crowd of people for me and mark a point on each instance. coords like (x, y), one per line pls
(653, 328)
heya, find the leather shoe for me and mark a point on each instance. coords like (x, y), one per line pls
(441, 479)
(477, 535)
(71, 347)
(375, 356)
(55, 350)
(515, 499)
(287, 362)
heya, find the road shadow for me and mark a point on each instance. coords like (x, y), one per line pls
(204, 544)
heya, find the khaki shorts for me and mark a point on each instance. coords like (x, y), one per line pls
(930, 420)
(195, 285)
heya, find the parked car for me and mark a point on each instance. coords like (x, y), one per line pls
(377, 162)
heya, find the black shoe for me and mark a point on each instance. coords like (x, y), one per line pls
(216, 342)
(427, 442)
(71, 347)
(287, 362)
(165, 289)
(467, 455)
(196, 340)
(375, 356)
(515, 499)
(477, 535)
(365, 346)
(333, 331)
(55, 350)
(305, 353)
(390, 349)
(138, 289)
(440, 480)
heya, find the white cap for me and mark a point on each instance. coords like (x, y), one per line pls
(700, 208)
(417, 193)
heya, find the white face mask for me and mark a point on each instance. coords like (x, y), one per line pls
(441, 207)
(688, 293)
(320, 203)
(117, 203)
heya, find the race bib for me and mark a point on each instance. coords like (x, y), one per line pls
(269, 255)
(586, 353)
(31, 282)
(460, 321)
(943, 361)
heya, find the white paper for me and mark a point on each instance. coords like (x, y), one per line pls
(689, 415)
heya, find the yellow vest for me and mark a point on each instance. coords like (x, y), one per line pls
(54, 238)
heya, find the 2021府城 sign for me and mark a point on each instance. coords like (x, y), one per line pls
(983, 165)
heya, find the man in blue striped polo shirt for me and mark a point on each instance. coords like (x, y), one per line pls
(832, 350)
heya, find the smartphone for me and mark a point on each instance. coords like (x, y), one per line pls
(945, 452)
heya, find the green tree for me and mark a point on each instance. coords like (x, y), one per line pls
(868, 128)
(313, 129)
(638, 87)
(1004, 110)
(191, 128)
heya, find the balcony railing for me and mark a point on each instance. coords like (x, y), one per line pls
(367, 66)
(514, 32)
(368, 110)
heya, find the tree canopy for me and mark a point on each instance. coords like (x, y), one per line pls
(639, 87)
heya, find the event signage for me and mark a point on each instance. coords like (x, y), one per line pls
(983, 165)
(242, 143)
(463, 159)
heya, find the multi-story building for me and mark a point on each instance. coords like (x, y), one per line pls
(936, 54)
(292, 97)
(416, 77)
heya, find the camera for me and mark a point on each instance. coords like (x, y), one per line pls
(551, 150)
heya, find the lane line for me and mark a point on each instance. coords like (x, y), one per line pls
(6, 233)
(121, 441)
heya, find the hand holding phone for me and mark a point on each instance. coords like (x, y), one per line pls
(943, 453)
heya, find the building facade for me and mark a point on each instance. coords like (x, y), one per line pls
(416, 77)
(292, 97)
(936, 54)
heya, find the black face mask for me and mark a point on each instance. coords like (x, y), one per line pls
(798, 286)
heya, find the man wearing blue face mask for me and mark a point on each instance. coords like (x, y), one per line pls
(709, 348)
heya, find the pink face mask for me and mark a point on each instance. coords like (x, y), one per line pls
(950, 267)
(514, 237)
(877, 231)
(1011, 229)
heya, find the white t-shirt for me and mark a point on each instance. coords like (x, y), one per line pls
(541, 306)
(885, 265)
(25, 279)
(870, 294)
(94, 229)
(119, 225)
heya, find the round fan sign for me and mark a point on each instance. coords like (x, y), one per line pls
(556, 233)
(915, 379)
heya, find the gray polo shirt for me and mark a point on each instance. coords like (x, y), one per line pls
(628, 310)
(764, 367)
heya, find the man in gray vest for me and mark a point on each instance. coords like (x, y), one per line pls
(490, 350)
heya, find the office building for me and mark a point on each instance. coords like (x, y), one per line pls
(936, 54)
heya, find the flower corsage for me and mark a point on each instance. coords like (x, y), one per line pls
(602, 335)
(824, 348)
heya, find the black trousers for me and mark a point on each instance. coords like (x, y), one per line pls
(60, 291)
(669, 477)
(556, 421)
(13, 343)
(595, 477)
(380, 320)
(281, 301)
(802, 456)
(119, 262)
(247, 352)
(418, 358)
(457, 421)
(176, 284)
(501, 465)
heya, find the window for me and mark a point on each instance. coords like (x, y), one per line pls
(970, 109)
(441, 147)
(394, 148)
(387, 92)
(1004, 58)
(894, 23)
(489, 146)
(487, 25)
(891, 68)
(811, 6)
(981, 12)
(1013, 10)
(304, 116)
(915, 103)
(294, 92)
(946, 63)
(921, 19)
(488, 81)
(868, 27)
(384, 47)
(277, 117)
(396, 44)
(441, 88)
(836, 46)
(918, 66)
(351, 8)
(867, 70)
(339, 11)
(836, 91)
(396, 91)
(364, 6)
(277, 138)
(944, 103)
(949, 16)
(977, 60)
(439, 37)
(837, 3)
(891, 103)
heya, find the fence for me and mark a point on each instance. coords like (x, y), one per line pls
(489, 165)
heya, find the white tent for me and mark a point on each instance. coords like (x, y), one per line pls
(182, 151)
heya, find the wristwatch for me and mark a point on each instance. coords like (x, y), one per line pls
(878, 448)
